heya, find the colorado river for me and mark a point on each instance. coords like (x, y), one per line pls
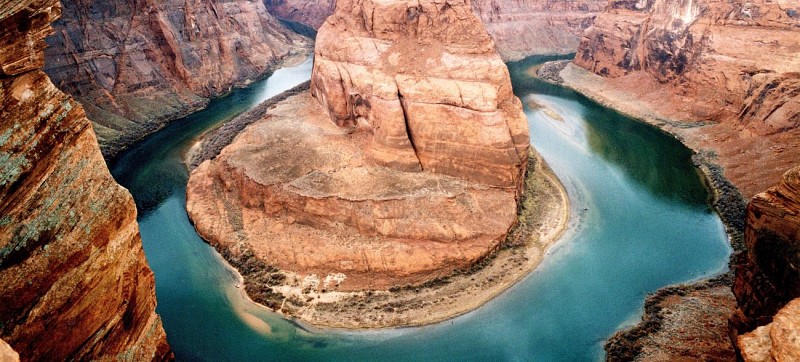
(640, 221)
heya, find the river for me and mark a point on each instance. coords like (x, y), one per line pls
(641, 221)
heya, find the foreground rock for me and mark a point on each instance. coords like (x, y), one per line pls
(768, 274)
(407, 169)
(519, 28)
(777, 341)
(727, 70)
(74, 282)
(137, 65)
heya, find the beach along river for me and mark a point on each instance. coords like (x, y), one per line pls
(640, 221)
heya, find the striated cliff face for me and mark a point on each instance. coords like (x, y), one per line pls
(74, 282)
(768, 274)
(729, 68)
(406, 167)
(526, 27)
(520, 28)
(137, 64)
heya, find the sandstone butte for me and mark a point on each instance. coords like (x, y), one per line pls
(725, 75)
(767, 284)
(74, 282)
(406, 167)
(519, 28)
(135, 65)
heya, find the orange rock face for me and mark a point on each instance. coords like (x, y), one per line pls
(768, 274)
(425, 87)
(74, 282)
(406, 166)
(137, 65)
(729, 65)
(778, 341)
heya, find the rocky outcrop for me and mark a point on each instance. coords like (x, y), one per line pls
(522, 28)
(727, 68)
(136, 65)
(406, 167)
(768, 273)
(778, 341)
(519, 28)
(7, 354)
(74, 282)
(424, 86)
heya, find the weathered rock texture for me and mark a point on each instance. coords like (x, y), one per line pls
(406, 167)
(728, 67)
(423, 86)
(137, 64)
(526, 27)
(778, 341)
(74, 282)
(520, 28)
(768, 274)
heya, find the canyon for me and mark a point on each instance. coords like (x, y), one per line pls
(137, 65)
(403, 163)
(519, 28)
(69, 241)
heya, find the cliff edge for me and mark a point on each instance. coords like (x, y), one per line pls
(74, 282)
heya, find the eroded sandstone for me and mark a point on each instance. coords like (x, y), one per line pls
(137, 65)
(74, 281)
(406, 167)
(729, 69)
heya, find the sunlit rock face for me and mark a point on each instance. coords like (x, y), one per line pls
(74, 282)
(405, 166)
(731, 65)
(136, 65)
(768, 274)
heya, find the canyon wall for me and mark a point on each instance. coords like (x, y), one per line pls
(727, 68)
(74, 281)
(768, 273)
(520, 28)
(135, 65)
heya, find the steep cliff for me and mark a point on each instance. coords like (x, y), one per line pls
(728, 70)
(74, 282)
(768, 274)
(406, 167)
(520, 28)
(135, 65)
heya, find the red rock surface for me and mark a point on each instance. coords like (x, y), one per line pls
(778, 341)
(768, 273)
(406, 167)
(424, 88)
(137, 64)
(74, 282)
(520, 28)
(730, 64)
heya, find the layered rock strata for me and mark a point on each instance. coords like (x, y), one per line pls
(768, 274)
(528, 27)
(519, 28)
(74, 282)
(406, 167)
(728, 70)
(137, 65)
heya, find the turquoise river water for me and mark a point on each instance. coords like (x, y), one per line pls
(640, 221)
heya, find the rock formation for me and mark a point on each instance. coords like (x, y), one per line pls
(519, 28)
(778, 341)
(74, 282)
(768, 273)
(526, 27)
(137, 64)
(729, 68)
(7, 354)
(405, 168)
